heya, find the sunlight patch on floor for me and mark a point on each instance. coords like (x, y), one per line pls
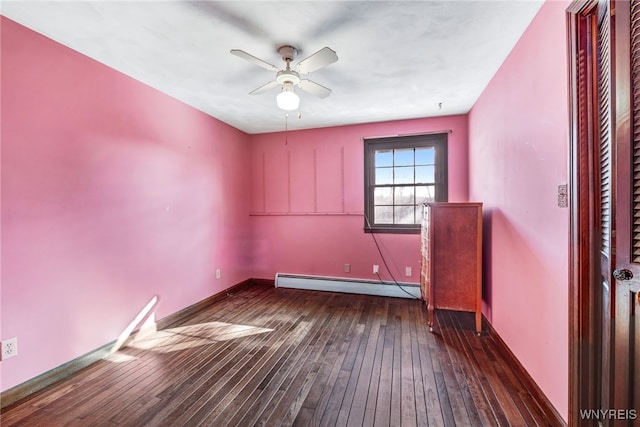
(184, 337)
(119, 357)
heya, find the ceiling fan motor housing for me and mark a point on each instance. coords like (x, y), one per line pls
(287, 52)
(288, 76)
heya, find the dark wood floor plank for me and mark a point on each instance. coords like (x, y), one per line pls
(281, 357)
(261, 392)
(460, 415)
(374, 385)
(200, 378)
(418, 383)
(287, 385)
(149, 392)
(357, 373)
(396, 372)
(317, 399)
(509, 395)
(367, 377)
(40, 400)
(298, 390)
(87, 395)
(264, 396)
(408, 416)
(383, 402)
(436, 348)
(428, 366)
(225, 389)
(332, 408)
(486, 378)
(471, 370)
(461, 369)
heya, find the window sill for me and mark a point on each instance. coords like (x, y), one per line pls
(392, 230)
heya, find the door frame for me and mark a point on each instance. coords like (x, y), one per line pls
(584, 355)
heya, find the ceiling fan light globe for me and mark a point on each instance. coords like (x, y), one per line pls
(288, 100)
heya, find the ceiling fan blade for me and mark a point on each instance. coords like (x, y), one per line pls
(225, 13)
(244, 55)
(321, 58)
(314, 88)
(265, 87)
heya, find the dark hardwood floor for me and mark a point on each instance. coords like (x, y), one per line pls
(270, 357)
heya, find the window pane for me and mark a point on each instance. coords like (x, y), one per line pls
(403, 175)
(403, 157)
(384, 176)
(399, 176)
(404, 215)
(383, 215)
(425, 193)
(425, 156)
(404, 196)
(384, 158)
(383, 196)
(425, 174)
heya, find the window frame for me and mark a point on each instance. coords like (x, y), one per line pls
(438, 141)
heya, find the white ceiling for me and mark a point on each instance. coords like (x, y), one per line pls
(397, 59)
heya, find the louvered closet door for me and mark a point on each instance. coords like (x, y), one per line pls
(606, 209)
(606, 70)
(626, 331)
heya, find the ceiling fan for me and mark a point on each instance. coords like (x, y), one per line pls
(289, 78)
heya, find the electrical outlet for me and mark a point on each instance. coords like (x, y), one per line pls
(9, 348)
(376, 268)
(347, 268)
(218, 273)
(407, 271)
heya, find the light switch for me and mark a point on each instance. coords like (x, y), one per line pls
(563, 196)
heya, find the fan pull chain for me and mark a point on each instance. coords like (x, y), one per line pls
(286, 127)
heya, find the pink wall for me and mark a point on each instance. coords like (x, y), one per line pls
(307, 200)
(112, 193)
(518, 148)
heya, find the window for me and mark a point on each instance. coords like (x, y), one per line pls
(401, 173)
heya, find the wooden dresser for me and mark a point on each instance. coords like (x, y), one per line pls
(451, 268)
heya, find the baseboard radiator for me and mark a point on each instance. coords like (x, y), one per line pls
(350, 286)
